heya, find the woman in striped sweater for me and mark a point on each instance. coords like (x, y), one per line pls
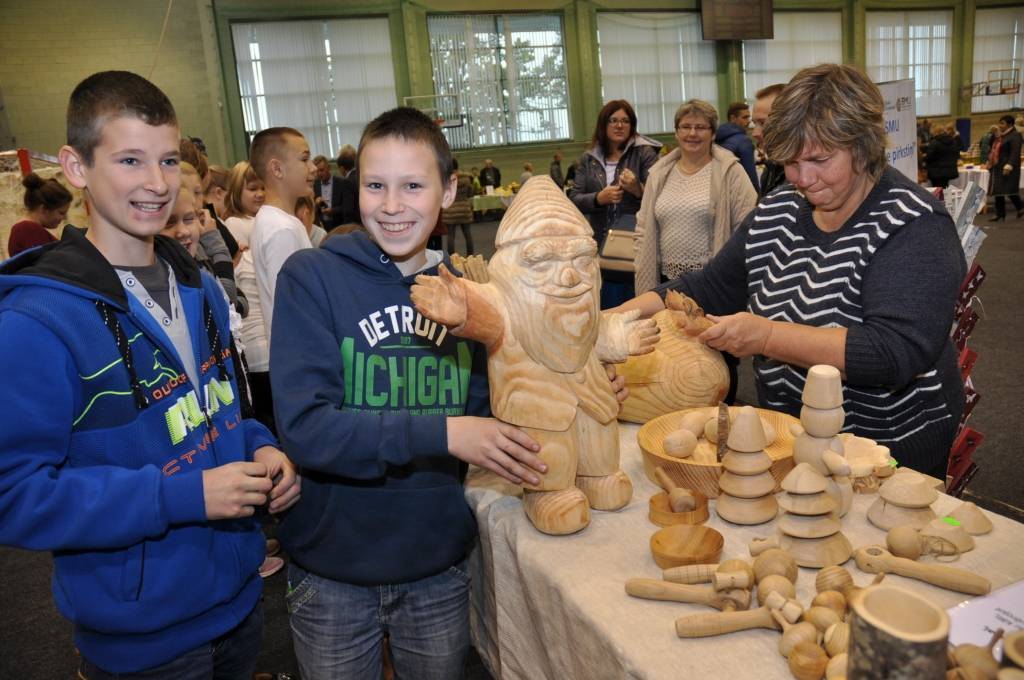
(849, 264)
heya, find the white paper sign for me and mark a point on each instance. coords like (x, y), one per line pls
(975, 620)
(901, 126)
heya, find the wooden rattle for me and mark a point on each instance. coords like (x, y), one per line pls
(875, 558)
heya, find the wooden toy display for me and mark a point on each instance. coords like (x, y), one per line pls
(701, 470)
(874, 559)
(538, 315)
(681, 373)
(746, 486)
(896, 635)
(810, 526)
(675, 505)
(904, 498)
(866, 459)
(817, 443)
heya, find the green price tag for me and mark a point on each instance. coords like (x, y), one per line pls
(892, 462)
(951, 522)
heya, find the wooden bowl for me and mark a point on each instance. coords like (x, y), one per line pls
(700, 471)
(661, 513)
(683, 544)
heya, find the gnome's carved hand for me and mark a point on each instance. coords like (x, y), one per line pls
(686, 313)
(440, 298)
(641, 334)
(624, 334)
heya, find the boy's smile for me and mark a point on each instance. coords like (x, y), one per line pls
(400, 198)
(132, 183)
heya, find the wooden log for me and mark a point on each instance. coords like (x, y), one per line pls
(896, 635)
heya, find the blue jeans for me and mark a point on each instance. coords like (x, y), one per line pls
(338, 629)
(232, 656)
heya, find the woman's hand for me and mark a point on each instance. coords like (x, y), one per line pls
(610, 194)
(629, 182)
(741, 335)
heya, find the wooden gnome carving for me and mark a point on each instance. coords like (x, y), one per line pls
(539, 316)
(681, 372)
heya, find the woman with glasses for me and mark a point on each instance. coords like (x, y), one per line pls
(609, 183)
(851, 264)
(696, 197)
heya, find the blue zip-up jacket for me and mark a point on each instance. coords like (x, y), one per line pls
(102, 447)
(734, 138)
(363, 385)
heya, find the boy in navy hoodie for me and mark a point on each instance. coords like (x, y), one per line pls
(382, 408)
(122, 446)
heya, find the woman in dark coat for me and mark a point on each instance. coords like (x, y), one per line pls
(1004, 166)
(941, 155)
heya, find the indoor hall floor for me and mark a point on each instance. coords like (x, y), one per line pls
(35, 642)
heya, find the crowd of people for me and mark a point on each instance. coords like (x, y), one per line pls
(222, 343)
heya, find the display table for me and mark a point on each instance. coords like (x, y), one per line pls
(554, 606)
(977, 174)
(493, 202)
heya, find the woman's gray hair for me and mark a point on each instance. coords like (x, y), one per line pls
(832, 106)
(698, 107)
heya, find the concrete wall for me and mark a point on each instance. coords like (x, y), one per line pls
(49, 46)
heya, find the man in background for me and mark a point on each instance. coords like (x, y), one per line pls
(732, 135)
(327, 194)
(773, 174)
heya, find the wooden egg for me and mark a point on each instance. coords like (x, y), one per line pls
(834, 600)
(822, 422)
(821, 617)
(681, 544)
(807, 661)
(680, 444)
(823, 387)
(694, 422)
(832, 578)
(836, 668)
(711, 430)
(837, 638)
(775, 583)
(775, 562)
(904, 541)
(796, 634)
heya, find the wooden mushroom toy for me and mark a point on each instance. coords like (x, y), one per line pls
(795, 633)
(972, 519)
(775, 561)
(874, 559)
(904, 498)
(979, 658)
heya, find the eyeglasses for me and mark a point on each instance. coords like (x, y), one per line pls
(618, 121)
(693, 128)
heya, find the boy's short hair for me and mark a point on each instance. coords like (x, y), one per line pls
(191, 154)
(347, 158)
(411, 125)
(113, 94)
(735, 108)
(267, 145)
(317, 160)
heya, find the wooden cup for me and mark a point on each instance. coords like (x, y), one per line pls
(896, 635)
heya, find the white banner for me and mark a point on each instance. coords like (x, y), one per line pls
(901, 126)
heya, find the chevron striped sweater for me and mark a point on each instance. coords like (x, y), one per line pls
(890, 276)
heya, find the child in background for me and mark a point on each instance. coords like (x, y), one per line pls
(110, 408)
(245, 196)
(384, 418)
(211, 247)
(215, 190)
(46, 206)
(280, 157)
(305, 210)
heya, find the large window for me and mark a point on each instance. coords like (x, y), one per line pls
(801, 39)
(327, 79)
(655, 61)
(998, 49)
(498, 78)
(914, 45)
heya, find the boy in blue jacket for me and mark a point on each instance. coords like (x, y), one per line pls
(382, 408)
(122, 445)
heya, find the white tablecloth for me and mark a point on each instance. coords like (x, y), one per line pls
(977, 175)
(554, 606)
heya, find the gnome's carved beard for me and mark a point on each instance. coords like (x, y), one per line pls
(558, 332)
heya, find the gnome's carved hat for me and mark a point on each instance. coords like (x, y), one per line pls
(541, 209)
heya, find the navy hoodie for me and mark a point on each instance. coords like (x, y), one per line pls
(102, 446)
(363, 385)
(734, 138)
